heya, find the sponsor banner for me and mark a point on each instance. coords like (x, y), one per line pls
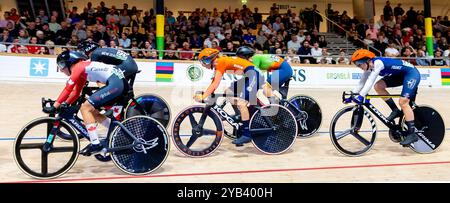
(41, 69)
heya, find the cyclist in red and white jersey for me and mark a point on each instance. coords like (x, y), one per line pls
(75, 65)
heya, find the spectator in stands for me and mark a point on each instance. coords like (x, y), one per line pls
(410, 54)
(343, 59)
(421, 61)
(210, 39)
(32, 47)
(215, 45)
(170, 55)
(124, 41)
(187, 53)
(316, 51)
(230, 48)
(380, 44)
(294, 43)
(391, 51)
(304, 51)
(249, 39)
(54, 25)
(387, 11)
(24, 38)
(40, 37)
(322, 42)
(438, 60)
(5, 37)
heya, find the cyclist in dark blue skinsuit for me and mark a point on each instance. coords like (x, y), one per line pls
(395, 73)
(119, 58)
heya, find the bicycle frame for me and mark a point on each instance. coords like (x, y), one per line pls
(225, 116)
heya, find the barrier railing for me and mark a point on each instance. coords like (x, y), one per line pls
(195, 52)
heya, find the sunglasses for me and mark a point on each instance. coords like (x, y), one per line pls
(360, 62)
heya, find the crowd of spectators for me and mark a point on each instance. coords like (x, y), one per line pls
(397, 33)
(293, 35)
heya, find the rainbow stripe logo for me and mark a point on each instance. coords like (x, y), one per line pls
(445, 75)
(164, 72)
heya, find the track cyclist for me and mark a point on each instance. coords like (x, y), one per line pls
(119, 58)
(395, 73)
(246, 88)
(280, 69)
(75, 65)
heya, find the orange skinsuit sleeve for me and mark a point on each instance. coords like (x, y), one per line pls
(214, 84)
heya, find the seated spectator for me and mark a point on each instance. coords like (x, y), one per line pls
(6, 37)
(187, 53)
(230, 48)
(305, 50)
(343, 58)
(51, 47)
(438, 60)
(102, 44)
(391, 51)
(24, 38)
(292, 57)
(316, 50)
(124, 41)
(249, 38)
(276, 46)
(294, 43)
(170, 55)
(322, 42)
(40, 37)
(410, 55)
(420, 60)
(43, 51)
(215, 45)
(210, 39)
(33, 48)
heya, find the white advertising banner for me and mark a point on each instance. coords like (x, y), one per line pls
(42, 69)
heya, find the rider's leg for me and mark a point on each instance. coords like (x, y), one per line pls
(88, 111)
(380, 88)
(253, 82)
(410, 86)
(233, 90)
(409, 121)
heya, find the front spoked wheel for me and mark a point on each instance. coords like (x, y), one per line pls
(356, 138)
(307, 113)
(142, 152)
(197, 134)
(37, 152)
(273, 129)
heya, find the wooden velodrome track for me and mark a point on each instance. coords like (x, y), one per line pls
(310, 160)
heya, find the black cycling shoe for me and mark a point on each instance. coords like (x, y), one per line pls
(395, 114)
(241, 141)
(411, 138)
(91, 149)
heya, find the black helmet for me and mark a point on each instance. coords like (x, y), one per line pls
(87, 47)
(245, 52)
(67, 58)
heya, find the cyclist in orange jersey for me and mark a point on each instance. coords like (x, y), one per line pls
(245, 88)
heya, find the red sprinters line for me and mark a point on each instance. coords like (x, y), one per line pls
(234, 172)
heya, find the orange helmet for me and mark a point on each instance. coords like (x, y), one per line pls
(207, 55)
(362, 55)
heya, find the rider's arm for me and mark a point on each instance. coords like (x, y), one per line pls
(73, 86)
(378, 66)
(362, 81)
(214, 84)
